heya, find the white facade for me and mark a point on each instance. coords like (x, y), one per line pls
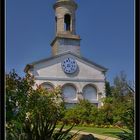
(79, 77)
(88, 82)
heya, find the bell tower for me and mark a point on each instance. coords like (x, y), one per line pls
(65, 38)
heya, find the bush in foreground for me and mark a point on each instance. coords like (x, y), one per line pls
(33, 113)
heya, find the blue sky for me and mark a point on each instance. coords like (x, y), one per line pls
(106, 28)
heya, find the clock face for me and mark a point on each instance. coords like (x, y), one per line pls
(69, 65)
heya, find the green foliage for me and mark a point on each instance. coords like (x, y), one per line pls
(127, 118)
(125, 135)
(107, 110)
(32, 113)
(108, 89)
(17, 89)
(114, 111)
(80, 113)
(122, 101)
(120, 87)
(99, 120)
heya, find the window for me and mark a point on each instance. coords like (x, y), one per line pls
(90, 93)
(67, 20)
(69, 92)
(47, 85)
(56, 22)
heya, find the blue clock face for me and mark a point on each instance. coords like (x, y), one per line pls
(69, 65)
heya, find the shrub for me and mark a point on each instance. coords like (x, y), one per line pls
(33, 113)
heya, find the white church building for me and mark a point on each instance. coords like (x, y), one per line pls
(79, 77)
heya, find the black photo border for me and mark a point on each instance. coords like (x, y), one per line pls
(2, 69)
(137, 69)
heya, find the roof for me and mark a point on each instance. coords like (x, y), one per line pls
(28, 66)
(69, 2)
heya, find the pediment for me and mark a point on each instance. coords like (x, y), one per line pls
(51, 67)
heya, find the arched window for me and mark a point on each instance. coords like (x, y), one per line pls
(67, 20)
(47, 85)
(69, 92)
(90, 93)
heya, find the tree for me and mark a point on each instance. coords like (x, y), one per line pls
(32, 113)
(17, 89)
(121, 95)
(123, 104)
(127, 117)
(108, 89)
(120, 87)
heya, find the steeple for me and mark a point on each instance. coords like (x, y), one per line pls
(65, 16)
(65, 36)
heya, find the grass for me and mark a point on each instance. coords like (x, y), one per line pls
(111, 132)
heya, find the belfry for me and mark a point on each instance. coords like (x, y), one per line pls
(66, 38)
(79, 77)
